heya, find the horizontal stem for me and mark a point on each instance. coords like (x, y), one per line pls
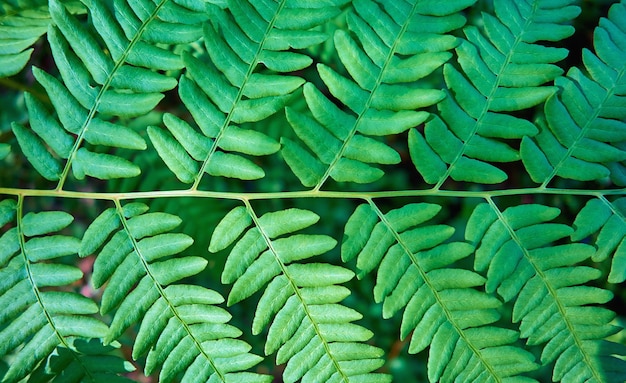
(306, 194)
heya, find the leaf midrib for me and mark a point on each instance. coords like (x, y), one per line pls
(296, 291)
(551, 291)
(111, 196)
(439, 301)
(37, 292)
(238, 97)
(366, 106)
(105, 87)
(162, 294)
(489, 98)
(585, 128)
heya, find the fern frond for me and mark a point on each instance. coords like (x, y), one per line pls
(84, 360)
(399, 44)
(244, 79)
(181, 328)
(22, 23)
(503, 69)
(310, 330)
(18, 32)
(37, 317)
(605, 222)
(443, 307)
(583, 121)
(552, 303)
(108, 68)
(273, 114)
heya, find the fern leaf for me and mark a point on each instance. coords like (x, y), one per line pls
(503, 69)
(104, 73)
(587, 116)
(37, 153)
(181, 328)
(23, 24)
(444, 308)
(381, 94)
(84, 359)
(604, 221)
(483, 283)
(37, 318)
(19, 33)
(552, 302)
(229, 88)
(308, 328)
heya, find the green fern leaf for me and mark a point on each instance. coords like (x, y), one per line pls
(23, 23)
(126, 84)
(604, 221)
(308, 328)
(443, 308)
(181, 328)
(552, 302)
(37, 318)
(19, 32)
(503, 70)
(84, 359)
(583, 120)
(103, 166)
(37, 153)
(381, 96)
(239, 41)
(483, 276)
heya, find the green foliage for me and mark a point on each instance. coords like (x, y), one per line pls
(310, 331)
(40, 320)
(190, 187)
(442, 310)
(23, 23)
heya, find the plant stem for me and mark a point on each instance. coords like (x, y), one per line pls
(307, 194)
